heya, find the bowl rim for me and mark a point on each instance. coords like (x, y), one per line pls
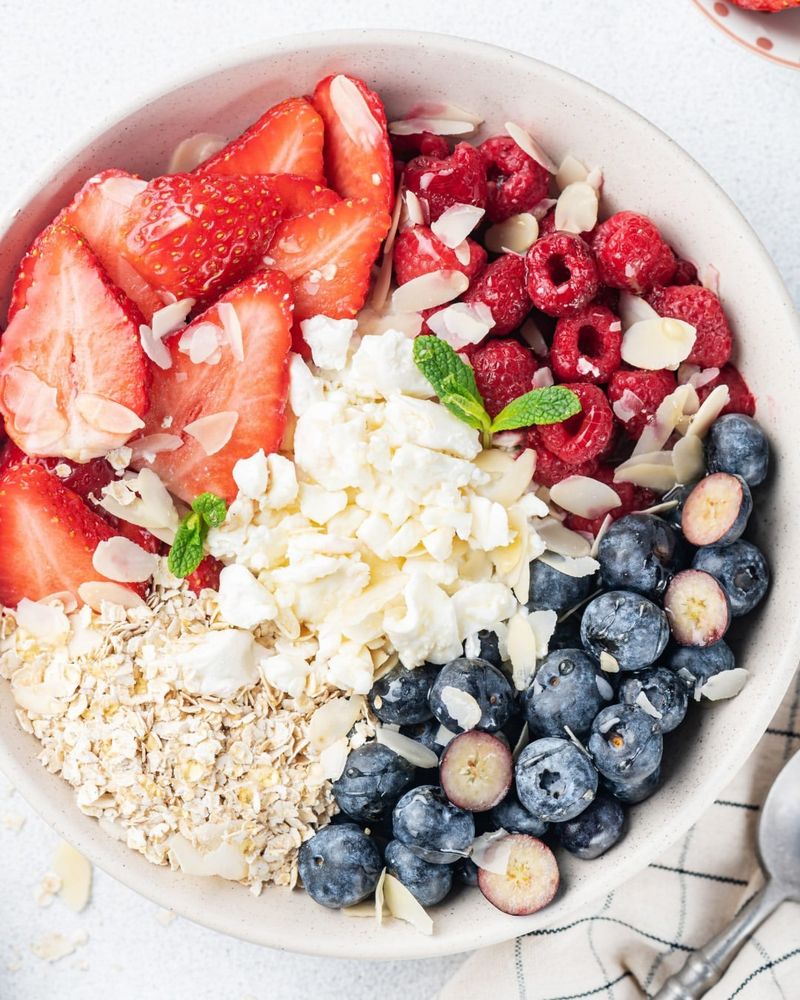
(703, 794)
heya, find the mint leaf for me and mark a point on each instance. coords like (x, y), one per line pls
(444, 369)
(211, 508)
(468, 410)
(551, 404)
(187, 551)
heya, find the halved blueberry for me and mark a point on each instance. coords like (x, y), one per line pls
(697, 608)
(717, 510)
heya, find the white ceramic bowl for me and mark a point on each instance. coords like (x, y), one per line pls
(644, 171)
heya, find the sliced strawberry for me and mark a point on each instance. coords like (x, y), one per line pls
(96, 213)
(358, 154)
(73, 376)
(195, 235)
(47, 534)
(328, 255)
(206, 576)
(251, 387)
(87, 480)
(287, 139)
(299, 195)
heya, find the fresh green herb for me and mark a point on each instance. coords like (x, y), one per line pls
(188, 549)
(454, 383)
(552, 404)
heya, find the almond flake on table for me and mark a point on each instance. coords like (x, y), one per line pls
(75, 877)
(213, 431)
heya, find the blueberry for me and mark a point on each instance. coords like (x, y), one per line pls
(627, 626)
(596, 830)
(431, 827)
(489, 648)
(640, 552)
(512, 816)
(695, 665)
(339, 866)
(737, 444)
(466, 871)
(400, 697)
(425, 733)
(632, 792)
(564, 693)
(428, 883)
(567, 633)
(741, 570)
(373, 779)
(626, 743)
(663, 689)
(553, 590)
(487, 689)
(555, 779)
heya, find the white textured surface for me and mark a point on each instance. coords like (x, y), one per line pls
(66, 67)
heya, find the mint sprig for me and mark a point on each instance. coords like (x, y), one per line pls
(188, 548)
(453, 382)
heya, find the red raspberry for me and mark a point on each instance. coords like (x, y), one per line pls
(516, 182)
(562, 274)
(649, 390)
(550, 469)
(418, 251)
(460, 179)
(502, 288)
(588, 433)
(632, 497)
(420, 144)
(685, 273)
(741, 398)
(703, 310)
(504, 369)
(631, 253)
(586, 347)
(767, 6)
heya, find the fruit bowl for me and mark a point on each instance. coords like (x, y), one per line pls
(644, 171)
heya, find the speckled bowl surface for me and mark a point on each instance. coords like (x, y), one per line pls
(645, 171)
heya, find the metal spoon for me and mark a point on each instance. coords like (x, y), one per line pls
(779, 849)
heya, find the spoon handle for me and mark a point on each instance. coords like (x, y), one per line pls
(705, 967)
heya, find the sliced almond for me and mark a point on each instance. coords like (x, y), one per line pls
(412, 750)
(584, 496)
(658, 343)
(95, 593)
(634, 309)
(123, 190)
(462, 323)
(155, 444)
(414, 208)
(709, 278)
(34, 405)
(202, 342)
(688, 459)
(492, 851)
(171, 317)
(577, 208)
(75, 873)
(105, 415)
(402, 905)
(122, 560)
(628, 406)
(213, 432)
(609, 664)
(608, 520)
(436, 126)
(429, 290)
(354, 113)
(569, 171)
(333, 720)
(582, 566)
(534, 338)
(542, 377)
(193, 151)
(528, 145)
(461, 706)
(456, 223)
(510, 476)
(521, 650)
(711, 407)
(653, 471)
(232, 329)
(726, 684)
(45, 621)
(517, 234)
(154, 348)
(561, 540)
(666, 418)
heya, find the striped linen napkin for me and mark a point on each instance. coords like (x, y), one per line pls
(640, 934)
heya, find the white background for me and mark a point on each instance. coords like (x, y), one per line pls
(64, 66)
